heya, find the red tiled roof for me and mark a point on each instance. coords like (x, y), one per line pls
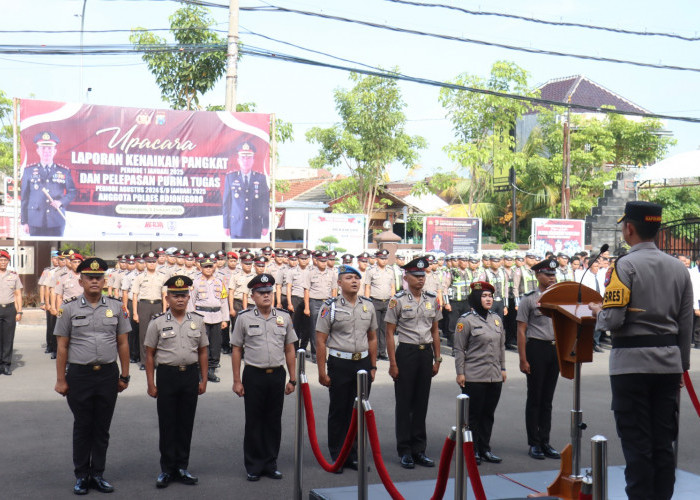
(297, 187)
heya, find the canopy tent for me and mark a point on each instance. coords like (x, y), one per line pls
(681, 166)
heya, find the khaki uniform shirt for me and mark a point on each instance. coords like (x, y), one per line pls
(414, 318)
(45, 276)
(381, 282)
(319, 283)
(480, 347)
(263, 339)
(68, 286)
(128, 280)
(209, 293)
(92, 332)
(149, 286)
(9, 282)
(433, 282)
(176, 343)
(347, 325)
(239, 284)
(539, 326)
(297, 278)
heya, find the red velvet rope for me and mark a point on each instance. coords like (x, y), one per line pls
(313, 439)
(691, 392)
(377, 455)
(584, 496)
(444, 469)
(473, 471)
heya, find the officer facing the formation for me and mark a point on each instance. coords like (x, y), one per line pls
(10, 311)
(480, 362)
(347, 325)
(47, 189)
(648, 308)
(413, 315)
(538, 361)
(246, 198)
(268, 338)
(176, 342)
(92, 333)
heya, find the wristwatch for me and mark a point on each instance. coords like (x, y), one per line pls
(438, 359)
(125, 379)
(293, 382)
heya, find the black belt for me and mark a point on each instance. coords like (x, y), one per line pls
(265, 370)
(549, 342)
(8, 305)
(177, 368)
(158, 301)
(644, 341)
(90, 367)
(320, 300)
(207, 309)
(418, 347)
(380, 300)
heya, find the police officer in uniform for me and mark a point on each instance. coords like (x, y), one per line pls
(648, 308)
(268, 338)
(317, 289)
(564, 272)
(496, 276)
(296, 290)
(380, 286)
(44, 294)
(413, 315)
(460, 278)
(47, 189)
(68, 284)
(525, 280)
(10, 311)
(347, 326)
(92, 333)
(176, 342)
(246, 198)
(511, 301)
(538, 361)
(480, 362)
(148, 299)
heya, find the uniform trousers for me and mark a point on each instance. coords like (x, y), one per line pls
(301, 322)
(541, 382)
(510, 324)
(133, 337)
(51, 342)
(645, 407)
(146, 311)
(238, 307)
(412, 390)
(458, 307)
(214, 336)
(177, 404)
(264, 398)
(483, 400)
(92, 395)
(380, 306)
(226, 338)
(315, 306)
(342, 393)
(8, 324)
(497, 307)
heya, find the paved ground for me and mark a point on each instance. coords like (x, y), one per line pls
(35, 436)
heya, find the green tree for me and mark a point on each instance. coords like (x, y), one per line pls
(679, 202)
(6, 161)
(184, 75)
(370, 136)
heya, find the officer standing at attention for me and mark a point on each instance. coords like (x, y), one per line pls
(317, 288)
(538, 361)
(44, 294)
(92, 333)
(148, 299)
(268, 338)
(460, 279)
(648, 308)
(413, 315)
(380, 287)
(347, 325)
(10, 311)
(210, 299)
(176, 342)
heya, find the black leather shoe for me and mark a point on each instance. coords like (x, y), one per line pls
(550, 452)
(211, 376)
(536, 452)
(490, 457)
(422, 459)
(313, 358)
(597, 349)
(163, 480)
(8, 370)
(275, 474)
(407, 462)
(383, 357)
(186, 477)
(142, 367)
(53, 355)
(81, 486)
(477, 458)
(351, 464)
(253, 477)
(100, 484)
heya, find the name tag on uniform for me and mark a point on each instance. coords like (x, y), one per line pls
(167, 332)
(253, 326)
(80, 317)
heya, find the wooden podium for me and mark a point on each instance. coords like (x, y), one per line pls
(573, 331)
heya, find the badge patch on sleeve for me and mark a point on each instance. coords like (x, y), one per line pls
(460, 327)
(616, 293)
(324, 312)
(392, 303)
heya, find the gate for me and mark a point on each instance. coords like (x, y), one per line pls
(681, 237)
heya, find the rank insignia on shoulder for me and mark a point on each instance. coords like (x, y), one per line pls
(392, 303)
(400, 294)
(460, 327)
(279, 320)
(430, 294)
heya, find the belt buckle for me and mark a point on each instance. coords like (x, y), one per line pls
(421, 347)
(356, 356)
(269, 370)
(182, 368)
(96, 368)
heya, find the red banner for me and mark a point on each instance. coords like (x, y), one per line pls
(558, 235)
(110, 173)
(445, 235)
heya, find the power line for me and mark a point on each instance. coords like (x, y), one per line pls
(551, 23)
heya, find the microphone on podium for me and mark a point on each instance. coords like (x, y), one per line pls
(603, 249)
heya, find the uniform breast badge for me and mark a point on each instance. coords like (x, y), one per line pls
(364, 308)
(193, 325)
(498, 323)
(280, 321)
(428, 305)
(109, 313)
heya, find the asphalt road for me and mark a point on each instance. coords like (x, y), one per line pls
(36, 426)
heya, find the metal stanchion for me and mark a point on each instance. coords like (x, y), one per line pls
(599, 464)
(577, 425)
(361, 402)
(299, 428)
(462, 437)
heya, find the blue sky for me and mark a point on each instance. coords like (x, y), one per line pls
(303, 95)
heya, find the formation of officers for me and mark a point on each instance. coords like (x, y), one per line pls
(176, 312)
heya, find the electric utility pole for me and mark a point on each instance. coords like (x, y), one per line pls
(232, 56)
